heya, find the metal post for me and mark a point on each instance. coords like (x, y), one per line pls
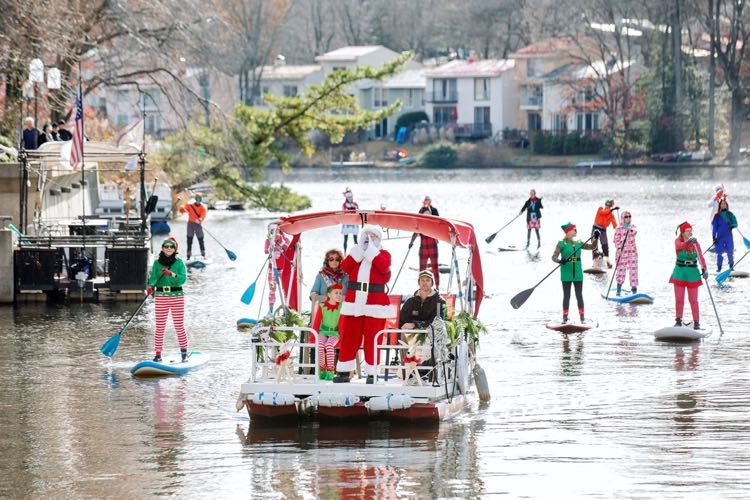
(36, 112)
(142, 165)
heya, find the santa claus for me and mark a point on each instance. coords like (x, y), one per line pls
(366, 306)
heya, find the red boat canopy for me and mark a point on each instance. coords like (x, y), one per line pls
(440, 228)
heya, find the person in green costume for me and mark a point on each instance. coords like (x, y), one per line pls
(168, 274)
(327, 325)
(568, 255)
(686, 274)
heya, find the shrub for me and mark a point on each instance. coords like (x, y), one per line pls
(438, 156)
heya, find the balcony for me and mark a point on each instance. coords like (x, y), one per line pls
(531, 101)
(470, 131)
(441, 97)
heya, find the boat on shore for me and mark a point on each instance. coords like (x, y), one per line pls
(422, 375)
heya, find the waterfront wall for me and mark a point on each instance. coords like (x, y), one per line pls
(9, 189)
(6, 267)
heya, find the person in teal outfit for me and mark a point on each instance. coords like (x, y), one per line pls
(568, 254)
(168, 274)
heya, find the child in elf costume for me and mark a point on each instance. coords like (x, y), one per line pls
(168, 274)
(686, 274)
(627, 253)
(721, 228)
(568, 255)
(327, 325)
(605, 217)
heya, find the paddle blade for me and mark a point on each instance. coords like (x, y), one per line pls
(746, 242)
(247, 297)
(232, 256)
(722, 276)
(520, 298)
(489, 238)
(110, 346)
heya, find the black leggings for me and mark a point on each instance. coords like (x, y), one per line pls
(346, 239)
(566, 293)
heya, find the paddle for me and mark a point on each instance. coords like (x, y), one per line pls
(247, 297)
(519, 299)
(491, 237)
(617, 263)
(744, 240)
(722, 276)
(711, 296)
(232, 256)
(110, 346)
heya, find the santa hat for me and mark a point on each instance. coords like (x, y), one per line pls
(719, 187)
(683, 227)
(568, 227)
(172, 240)
(372, 229)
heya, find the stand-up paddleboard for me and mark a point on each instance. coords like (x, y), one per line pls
(196, 263)
(510, 248)
(595, 270)
(170, 365)
(630, 298)
(571, 327)
(681, 333)
(739, 274)
(246, 323)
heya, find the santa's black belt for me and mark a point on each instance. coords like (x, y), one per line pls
(686, 263)
(365, 287)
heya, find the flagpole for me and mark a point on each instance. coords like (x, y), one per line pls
(83, 164)
(142, 164)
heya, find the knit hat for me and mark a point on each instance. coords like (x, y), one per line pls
(683, 227)
(335, 286)
(608, 201)
(198, 196)
(428, 274)
(568, 227)
(172, 240)
(427, 198)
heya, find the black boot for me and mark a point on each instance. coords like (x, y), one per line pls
(370, 379)
(341, 378)
(565, 320)
(157, 358)
(696, 325)
(184, 354)
(189, 246)
(677, 322)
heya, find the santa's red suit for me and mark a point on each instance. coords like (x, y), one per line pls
(366, 306)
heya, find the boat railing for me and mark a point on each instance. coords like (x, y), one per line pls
(267, 350)
(400, 347)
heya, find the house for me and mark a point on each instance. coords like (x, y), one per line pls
(287, 80)
(407, 86)
(533, 62)
(475, 97)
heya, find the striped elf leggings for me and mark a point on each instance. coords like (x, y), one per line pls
(271, 288)
(326, 345)
(165, 304)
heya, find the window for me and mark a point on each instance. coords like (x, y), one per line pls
(122, 95)
(122, 120)
(410, 98)
(339, 68)
(443, 115)
(379, 97)
(152, 100)
(534, 67)
(290, 90)
(444, 89)
(481, 89)
(559, 122)
(587, 121)
(482, 114)
(152, 124)
(534, 121)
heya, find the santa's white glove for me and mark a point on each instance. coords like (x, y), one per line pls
(371, 252)
(357, 253)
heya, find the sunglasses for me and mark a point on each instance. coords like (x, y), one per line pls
(626, 217)
(168, 246)
(334, 259)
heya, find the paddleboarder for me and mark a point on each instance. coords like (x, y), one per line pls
(327, 325)
(722, 225)
(196, 215)
(720, 193)
(568, 255)
(277, 252)
(428, 247)
(605, 217)
(533, 207)
(168, 274)
(686, 274)
(349, 229)
(627, 253)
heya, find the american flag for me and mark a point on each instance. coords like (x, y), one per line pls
(76, 150)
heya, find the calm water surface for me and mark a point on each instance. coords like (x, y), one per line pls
(607, 414)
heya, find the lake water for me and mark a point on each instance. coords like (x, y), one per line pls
(610, 413)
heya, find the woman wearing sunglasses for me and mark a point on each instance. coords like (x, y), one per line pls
(329, 275)
(168, 274)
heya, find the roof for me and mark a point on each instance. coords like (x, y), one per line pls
(57, 153)
(350, 53)
(470, 68)
(581, 71)
(440, 228)
(289, 72)
(546, 47)
(407, 79)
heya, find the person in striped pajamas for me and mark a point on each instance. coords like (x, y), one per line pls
(168, 274)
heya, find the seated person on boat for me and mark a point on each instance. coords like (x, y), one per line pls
(421, 308)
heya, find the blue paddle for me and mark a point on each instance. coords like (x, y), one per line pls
(110, 346)
(722, 276)
(232, 256)
(247, 297)
(744, 240)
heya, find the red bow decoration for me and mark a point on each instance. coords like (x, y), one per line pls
(283, 357)
(412, 359)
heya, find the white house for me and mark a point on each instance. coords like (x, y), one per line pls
(408, 86)
(476, 97)
(288, 80)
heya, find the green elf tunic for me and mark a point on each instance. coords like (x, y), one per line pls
(571, 270)
(168, 281)
(329, 323)
(686, 271)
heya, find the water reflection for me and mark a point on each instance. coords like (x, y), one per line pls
(684, 418)
(571, 360)
(683, 362)
(169, 420)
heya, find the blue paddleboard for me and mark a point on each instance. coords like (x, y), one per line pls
(630, 298)
(245, 323)
(170, 365)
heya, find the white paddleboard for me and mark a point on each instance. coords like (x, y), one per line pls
(595, 270)
(681, 333)
(170, 365)
(510, 248)
(739, 274)
(571, 327)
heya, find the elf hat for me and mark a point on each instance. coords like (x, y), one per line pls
(568, 227)
(335, 286)
(683, 227)
(171, 240)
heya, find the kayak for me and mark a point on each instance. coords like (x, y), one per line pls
(681, 333)
(509, 248)
(170, 365)
(630, 298)
(571, 327)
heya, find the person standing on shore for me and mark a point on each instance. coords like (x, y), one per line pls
(349, 229)
(428, 247)
(168, 274)
(196, 215)
(533, 208)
